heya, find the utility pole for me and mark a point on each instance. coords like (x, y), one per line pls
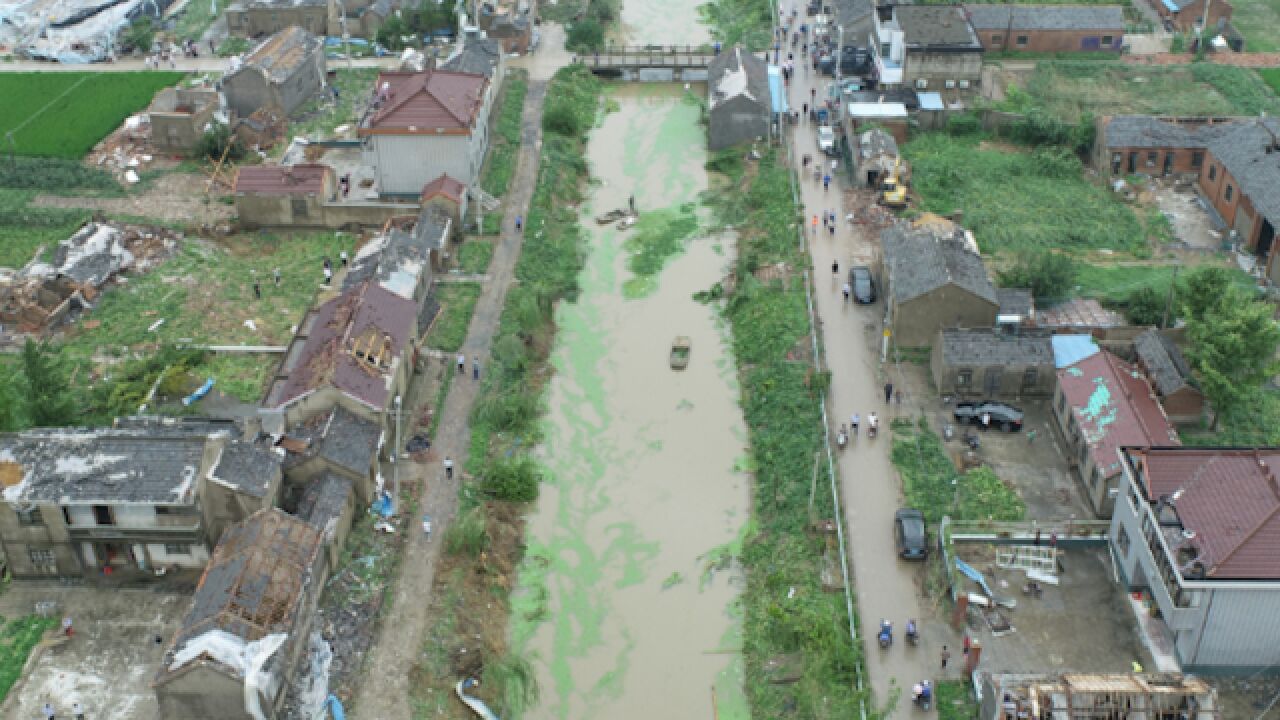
(395, 456)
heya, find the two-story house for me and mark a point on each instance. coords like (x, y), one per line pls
(1196, 531)
(927, 47)
(280, 74)
(103, 500)
(422, 124)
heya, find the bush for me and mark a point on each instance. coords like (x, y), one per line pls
(512, 479)
(469, 535)
(1144, 306)
(141, 35)
(1049, 275)
(964, 124)
(217, 140)
(586, 35)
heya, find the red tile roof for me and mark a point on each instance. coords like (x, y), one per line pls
(444, 185)
(426, 101)
(304, 179)
(1114, 407)
(1229, 499)
(364, 320)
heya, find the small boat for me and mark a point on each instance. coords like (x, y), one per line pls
(611, 216)
(680, 349)
(627, 222)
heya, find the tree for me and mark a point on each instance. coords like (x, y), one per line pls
(1049, 275)
(10, 418)
(1203, 289)
(393, 32)
(1233, 346)
(47, 393)
(585, 35)
(140, 35)
(1145, 306)
(216, 140)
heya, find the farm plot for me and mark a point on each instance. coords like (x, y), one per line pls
(1257, 21)
(66, 114)
(204, 295)
(1069, 89)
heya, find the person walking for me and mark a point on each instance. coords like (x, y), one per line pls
(49, 712)
(835, 270)
(888, 392)
(344, 258)
(847, 292)
(813, 226)
(67, 629)
(946, 655)
(475, 368)
(826, 220)
(448, 468)
(257, 289)
(853, 423)
(826, 183)
(462, 364)
(328, 274)
(78, 711)
(276, 275)
(519, 224)
(986, 421)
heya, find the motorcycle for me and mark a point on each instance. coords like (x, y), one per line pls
(873, 426)
(913, 636)
(886, 633)
(922, 695)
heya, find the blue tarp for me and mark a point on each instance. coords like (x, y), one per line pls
(1071, 349)
(383, 505)
(974, 575)
(778, 90)
(1171, 6)
(335, 708)
(199, 393)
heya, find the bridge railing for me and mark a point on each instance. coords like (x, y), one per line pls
(670, 56)
(1063, 529)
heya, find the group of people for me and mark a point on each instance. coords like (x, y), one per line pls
(843, 434)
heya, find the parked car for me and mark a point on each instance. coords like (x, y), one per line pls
(864, 285)
(1005, 417)
(909, 535)
(827, 139)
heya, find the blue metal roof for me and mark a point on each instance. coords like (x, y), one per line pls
(777, 90)
(1071, 349)
(930, 100)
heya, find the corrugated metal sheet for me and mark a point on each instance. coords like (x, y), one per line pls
(1243, 630)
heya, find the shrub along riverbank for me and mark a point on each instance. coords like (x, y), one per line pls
(792, 626)
(471, 599)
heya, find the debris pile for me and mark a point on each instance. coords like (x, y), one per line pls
(126, 151)
(41, 295)
(70, 31)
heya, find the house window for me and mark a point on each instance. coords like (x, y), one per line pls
(1029, 378)
(997, 38)
(1213, 172)
(951, 84)
(921, 83)
(964, 84)
(42, 557)
(1229, 193)
(1122, 541)
(177, 549)
(1151, 158)
(964, 378)
(1197, 159)
(884, 49)
(1106, 40)
(30, 517)
(1021, 41)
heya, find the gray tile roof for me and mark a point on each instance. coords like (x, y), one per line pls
(1015, 301)
(249, 467)
(280, 55)
(324, 500)
(919, 262)
(988, 347)
(101, 466)
(478, 56)
(1250, 152)
(1164, 362)
(397, 260)
(349, 441)
(936, 25)
(726, 81)
(1146, 131)
(1047, 17)
(855, 17)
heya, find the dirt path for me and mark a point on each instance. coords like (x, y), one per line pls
(384, 693)
(1245, 60)
(870, 489)
(176, 197)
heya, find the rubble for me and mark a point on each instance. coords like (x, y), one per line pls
(41, 295)
(70, 31)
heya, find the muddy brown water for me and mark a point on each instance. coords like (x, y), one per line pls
(645, 492)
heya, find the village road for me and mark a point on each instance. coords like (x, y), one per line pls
(384, 693)
(871, 491)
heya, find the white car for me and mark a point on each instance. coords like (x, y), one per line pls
(827, 140)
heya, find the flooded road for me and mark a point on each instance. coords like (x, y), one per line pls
(662, 22)
(626, 604)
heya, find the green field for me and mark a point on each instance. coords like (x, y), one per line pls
(1017, 200)
(1257, 20)
(1067, 89)
(66, 114)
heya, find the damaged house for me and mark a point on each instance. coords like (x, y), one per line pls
(179, 117)
(1180, 395)
(740, 104)
(248, 624)
(1097, 696)
(280, 74)
(934, 281)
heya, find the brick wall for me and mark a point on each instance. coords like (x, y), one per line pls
(1104, 40)
(1152, 161)
(1191, 15)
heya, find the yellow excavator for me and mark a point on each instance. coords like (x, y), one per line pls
(893, 188)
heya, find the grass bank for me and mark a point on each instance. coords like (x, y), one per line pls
(457, 303)
(474, 256)
(318, 117)
(1015, 199)
(471, 601)
(791, 623)
(505, 146)
(17, 638)
(1257, 20)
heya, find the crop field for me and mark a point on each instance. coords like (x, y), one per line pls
(66, 114)
(1068, 89)
(1257, 20)
(204, 294)
(1016, 200)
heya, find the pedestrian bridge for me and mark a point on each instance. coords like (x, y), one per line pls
(650, 63)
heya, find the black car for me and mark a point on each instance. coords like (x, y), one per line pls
(864, 286)
(909, 534)
(1005, 417)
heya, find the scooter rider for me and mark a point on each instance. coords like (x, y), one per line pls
(922, 694)
(873, 423)
(842, 437)
(853, 423)
(912, 635)
(886, 633)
